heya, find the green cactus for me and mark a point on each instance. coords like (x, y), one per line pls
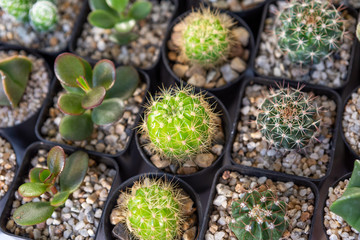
(179, 124)
(116, 15)
(43, 16)
(92, 95)
(309, 30)
(288, 118)
(17, 8)
(43, 180)
(346, 206)
(258, 215)
(14, 76)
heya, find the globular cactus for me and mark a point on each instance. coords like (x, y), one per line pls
(43, 16)
(258, 216)
(179, 123)
(17, 8)
(288, 118)
(309, 30)
(346, 206)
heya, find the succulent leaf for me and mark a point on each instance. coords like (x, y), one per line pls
(104, 74)
(34, 175)
(56, 160)
(59, 199)
(45, 175)
(101, 4)
(127, 80)
(32, 189)
(125, 26)
(140, 9)
(123, 38)
(358, 31)
(76, 128)
(93, 98)
(74, 171)
(102, 19)
(70, 103)
(43, 16)
(110, 111)
(68, 67)
(33, 213)
(118, 5)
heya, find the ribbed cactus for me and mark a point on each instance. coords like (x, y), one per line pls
(206, 39)
(288, 118)
(309, 30)
(347, 206)
(179, 123)
(17, 8)
(43, 16)
(258, 215)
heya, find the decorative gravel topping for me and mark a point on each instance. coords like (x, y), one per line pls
(234, 5)
(7, 166)
(80, 216)
(35, 92)
(300, 202)
(250, 149)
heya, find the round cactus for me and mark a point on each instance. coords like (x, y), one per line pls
(288, 118)
(309, 30)
(17, 8)
(43, 16)
(258, 215)
(179, 123)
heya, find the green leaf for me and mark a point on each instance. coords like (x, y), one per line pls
(110, 111)
(88, 71)
(93, 98)
(104, 74)
(56, 160)
(118, 5)
(125, 26)
(127, 80)
(73, 89)
(102, 19)
(59, 199)
(74, 172)
(140, 9)
(76, 128)
(70, 103)
(101, 4)
(33, 213)
(32, 190)
(123, 38)
(45, 175)
(68, 67)
(34, 175)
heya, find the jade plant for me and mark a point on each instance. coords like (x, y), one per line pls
(93, 96)
(346, 205)
(117, 15)
(179, 123)
(68, 174)
(14, 76)
(258, 215)
(309, 30)
(358, 31)
(42, 14)
(288, 118)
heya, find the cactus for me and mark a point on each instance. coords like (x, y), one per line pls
(43, 16)
(43, 180)
(179, 124)
(309, 30)
(116, 15)
(17, 8)
(258, 215)
(14, 76)
(152, 209)
(345, 206)
(92, 95)
(288, 118)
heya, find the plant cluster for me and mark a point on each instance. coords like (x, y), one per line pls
(117, 15)
(68, 173)
(258, 215)
(288, 118)
(93, 96)
(42, 14)
(309, 30)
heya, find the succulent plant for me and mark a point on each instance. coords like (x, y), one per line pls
(14, 76)
(43, 16)
(92, 95)
(346, 205)
(288, 118)
(17, 8)
(309, 30)
(116, 15)
(358, 31)
(179, 123)
(258, 215)
(70, 174)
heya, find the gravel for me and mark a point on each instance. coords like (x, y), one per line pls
(234, 5)
(35, 92)
(232, 186)
(94, 42)
(7, 166)
(15, 32)
(250, 149)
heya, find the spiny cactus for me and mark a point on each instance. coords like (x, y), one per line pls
(258, 215)
(152, 209)
(309, 30)
(43, 180)
(17, 8)
(288, 118)
(207, 38)
(179, 123)
(43, 16)
(346, 206)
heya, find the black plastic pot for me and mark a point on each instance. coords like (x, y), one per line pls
(318, 90)
(217, 91)
(106, 227)
(200, 179)
(23, 173)
(266, 14)
(258, 173)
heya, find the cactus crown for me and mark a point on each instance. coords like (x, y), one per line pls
(288, 118)
(207, 38)
(258, 215)
(309, 30)
(179, 123)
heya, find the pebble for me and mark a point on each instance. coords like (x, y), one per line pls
(228, 74)
(351, 121)
(234, 5)
(7, 167)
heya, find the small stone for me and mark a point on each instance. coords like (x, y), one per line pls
(120, 231)
(190, 234)
(238, 65)
(92, 198)
(180, 70)
(242, 35)
(204, 160)
(197, 80)
(228, 74)
(158, 162)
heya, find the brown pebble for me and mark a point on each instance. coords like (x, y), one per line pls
(304, 216)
